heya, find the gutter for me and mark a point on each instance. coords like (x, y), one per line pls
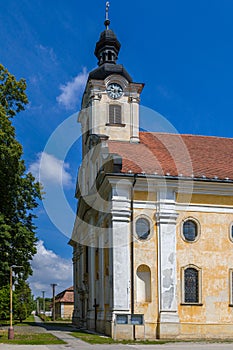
(132, 249)
(169, 177)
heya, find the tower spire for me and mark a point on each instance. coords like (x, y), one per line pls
(106, 50)
(108, 47)
(107, 21)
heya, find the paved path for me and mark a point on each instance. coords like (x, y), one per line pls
(80, 346)
(76, 344)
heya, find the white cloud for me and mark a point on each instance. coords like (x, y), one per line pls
(73, 90)
(48, 268)
(50, 170)
(47, 52)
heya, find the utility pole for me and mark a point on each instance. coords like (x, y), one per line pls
(43, 293)
(53, 285)
(11, 329)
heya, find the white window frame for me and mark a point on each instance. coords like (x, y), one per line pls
(121, 110)
(230, 232)
(151, 228)
(199, 270)
(231, 287)
(198, 229)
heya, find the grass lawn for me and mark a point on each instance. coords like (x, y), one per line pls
(29, 319)
(98, 339)
(30, 339)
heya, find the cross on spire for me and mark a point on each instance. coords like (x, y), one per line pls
(107, 21)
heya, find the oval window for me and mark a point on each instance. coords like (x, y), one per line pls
(190, 230)
(142, 228)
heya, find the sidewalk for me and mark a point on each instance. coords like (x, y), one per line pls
(77, 344)
(60, 332)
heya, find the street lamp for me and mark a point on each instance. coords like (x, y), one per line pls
(11, 329)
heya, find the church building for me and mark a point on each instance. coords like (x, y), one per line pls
(153, 236)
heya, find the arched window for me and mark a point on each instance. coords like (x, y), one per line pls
(143, 284)
(231, 287)
(231, 232)
(190, 230)
(142, 228)
(191, 285)
(115, 114)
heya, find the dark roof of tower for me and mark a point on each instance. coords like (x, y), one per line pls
(106, 51)
(108, 40)
(107, 69)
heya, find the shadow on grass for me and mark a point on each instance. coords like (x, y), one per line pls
(54, 326)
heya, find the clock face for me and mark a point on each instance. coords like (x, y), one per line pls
(114, 91)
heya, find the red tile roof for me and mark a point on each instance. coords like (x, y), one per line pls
(174, 154)
(67, 296)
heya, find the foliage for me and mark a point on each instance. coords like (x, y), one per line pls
(18, 189)
(21, 312)
(45, 318)
(24, 301)
(4, 303)
(47, 302)
(12, 95)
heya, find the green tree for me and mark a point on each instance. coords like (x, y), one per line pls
(21, 312)
(24, 300)
(4, 303)
(19, 191)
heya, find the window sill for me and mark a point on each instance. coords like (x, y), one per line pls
(192, 304)
(119, 125)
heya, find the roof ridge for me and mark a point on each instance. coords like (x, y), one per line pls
(190, 135)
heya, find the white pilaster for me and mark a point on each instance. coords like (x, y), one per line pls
(75, 282)
(166, 221)
(101, 278)
(76, 266)
(95, 112)
(134, 119)
(120, 235)
(91, 283)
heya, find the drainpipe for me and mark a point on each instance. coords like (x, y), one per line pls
(132, 251)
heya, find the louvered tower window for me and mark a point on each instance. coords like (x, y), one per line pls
(115, 114)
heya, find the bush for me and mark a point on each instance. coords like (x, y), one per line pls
(21, 312)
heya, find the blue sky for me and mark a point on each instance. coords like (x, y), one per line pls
(181, 49)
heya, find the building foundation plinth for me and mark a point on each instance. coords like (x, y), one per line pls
(169, 325)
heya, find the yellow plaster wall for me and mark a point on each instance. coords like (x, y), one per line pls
(145, 196)
(68, 310)
(213, 253)
(145, 253)
(204, 199)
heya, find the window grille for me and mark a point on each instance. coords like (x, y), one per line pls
(115, 114)
(191, 285)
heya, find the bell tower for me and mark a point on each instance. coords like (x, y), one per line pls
(110, 104)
